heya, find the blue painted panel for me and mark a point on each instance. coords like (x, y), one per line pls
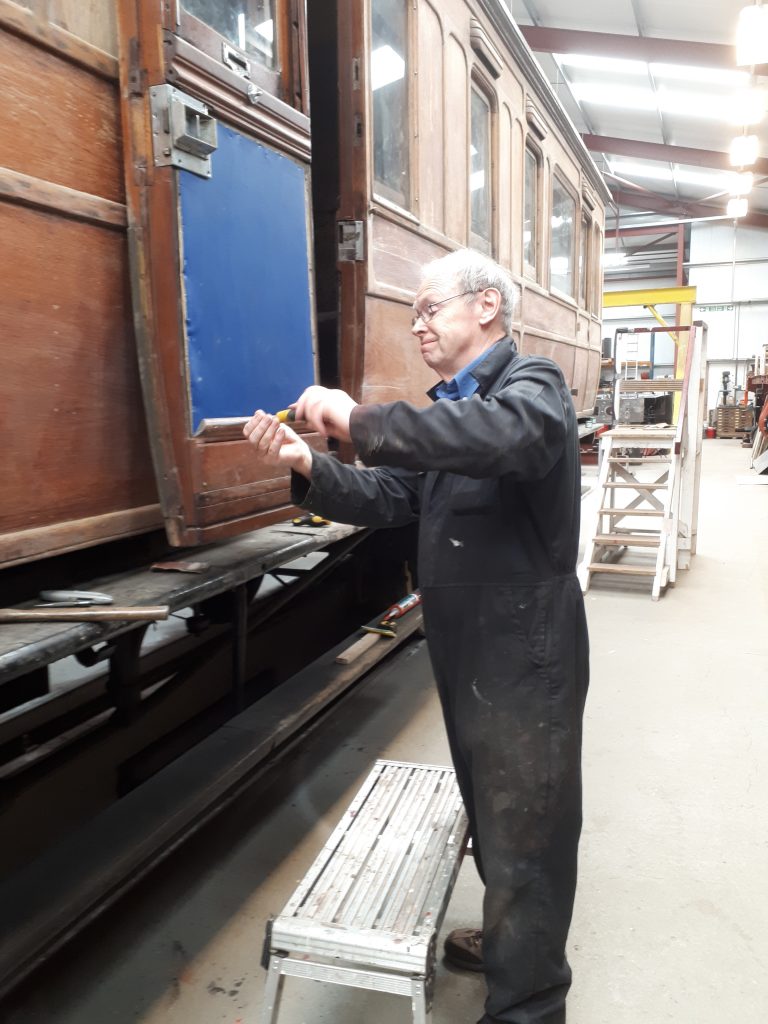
(246, 280)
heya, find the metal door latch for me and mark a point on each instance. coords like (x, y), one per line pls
(351, 241)
(183, 130)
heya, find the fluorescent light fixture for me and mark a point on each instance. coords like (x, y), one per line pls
(687, 104)
(386, 67)
(742, 184)
(713, 76)
(748, 106)
(700, 178)
(626, 97)
(639, 68)
(744, 150)
(641, 171)
(752, 36)
(613, 260)
(737, 208)
(693, 104)
(614, 65)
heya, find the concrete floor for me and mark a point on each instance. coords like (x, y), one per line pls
(671, 920)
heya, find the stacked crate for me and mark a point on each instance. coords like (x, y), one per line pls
(734, 420)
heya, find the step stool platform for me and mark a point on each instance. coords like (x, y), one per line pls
(368, 911)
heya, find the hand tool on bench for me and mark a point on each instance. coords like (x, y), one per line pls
(82, 606)
(388, 625)
(83, 613)
(72, 598)
(386, 628)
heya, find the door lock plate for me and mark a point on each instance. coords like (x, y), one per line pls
(183, 131)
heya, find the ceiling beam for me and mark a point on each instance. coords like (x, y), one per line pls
(644, 229)
(608, 44)
(667, 154)
(678, 208)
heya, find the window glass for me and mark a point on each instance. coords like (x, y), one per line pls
(561, 256)
(584, 259)
(480, 172)
(530, 212)
(389, 86)
(247, 24)
(597, 276)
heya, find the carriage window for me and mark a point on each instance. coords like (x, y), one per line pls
(584, 259)
(389, 85)
(597, 276)
(561, 256)
(480, 172)
(247, 24)
(530, 214)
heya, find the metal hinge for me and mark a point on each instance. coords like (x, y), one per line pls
(351, 241)
(183, 130)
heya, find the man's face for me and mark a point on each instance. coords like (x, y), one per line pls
(451, 337)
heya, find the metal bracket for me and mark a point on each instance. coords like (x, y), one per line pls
(235, 60)
(351, 245)
(183, 131)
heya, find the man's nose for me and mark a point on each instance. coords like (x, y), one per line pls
(418, 326)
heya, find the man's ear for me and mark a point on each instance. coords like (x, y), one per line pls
(491, 300)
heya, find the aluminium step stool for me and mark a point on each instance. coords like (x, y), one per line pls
(368, 911)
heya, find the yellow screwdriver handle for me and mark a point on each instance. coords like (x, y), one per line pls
(286, 415)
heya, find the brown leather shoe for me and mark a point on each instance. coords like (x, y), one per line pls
(464, 949)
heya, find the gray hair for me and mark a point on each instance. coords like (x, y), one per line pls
(474, 271)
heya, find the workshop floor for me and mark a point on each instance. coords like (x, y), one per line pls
(671, 912)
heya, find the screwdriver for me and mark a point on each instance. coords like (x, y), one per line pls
(286, 415)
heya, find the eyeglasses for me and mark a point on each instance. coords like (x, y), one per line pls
(426, 314)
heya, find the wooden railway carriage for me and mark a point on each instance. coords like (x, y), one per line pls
(168, 264)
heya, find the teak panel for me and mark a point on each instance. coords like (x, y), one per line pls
(456, 145)
(92, 20)
(394, 368)
(397, 255)
(559, 352)
(70, 402)
(540, 312)
(62, 119)
(431, 123)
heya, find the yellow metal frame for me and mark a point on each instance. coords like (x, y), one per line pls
(684, 298)
(650, 297)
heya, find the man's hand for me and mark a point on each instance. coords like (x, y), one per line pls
(277, 445)
(327, 411)
(762, 422)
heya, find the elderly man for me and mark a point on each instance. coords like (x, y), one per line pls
(491, 471)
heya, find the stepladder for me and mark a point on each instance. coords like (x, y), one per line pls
(367, 913)
(637, 514)
(646, 524)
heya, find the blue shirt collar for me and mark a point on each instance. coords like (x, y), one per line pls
(463, 384)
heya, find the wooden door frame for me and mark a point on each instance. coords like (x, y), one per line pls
(151, 54)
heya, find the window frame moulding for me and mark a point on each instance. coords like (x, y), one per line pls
(589, 197)
(484, 48)
(536, 122)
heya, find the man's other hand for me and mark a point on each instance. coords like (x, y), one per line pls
(277, 445)
(327, 411)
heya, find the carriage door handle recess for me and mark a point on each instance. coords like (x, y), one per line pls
(183, 131)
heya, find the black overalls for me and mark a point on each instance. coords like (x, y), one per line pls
(495, 484)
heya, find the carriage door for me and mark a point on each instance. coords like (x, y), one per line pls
(217, 147)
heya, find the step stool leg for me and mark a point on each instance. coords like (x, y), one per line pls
(273, 990)
(422, 1013)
